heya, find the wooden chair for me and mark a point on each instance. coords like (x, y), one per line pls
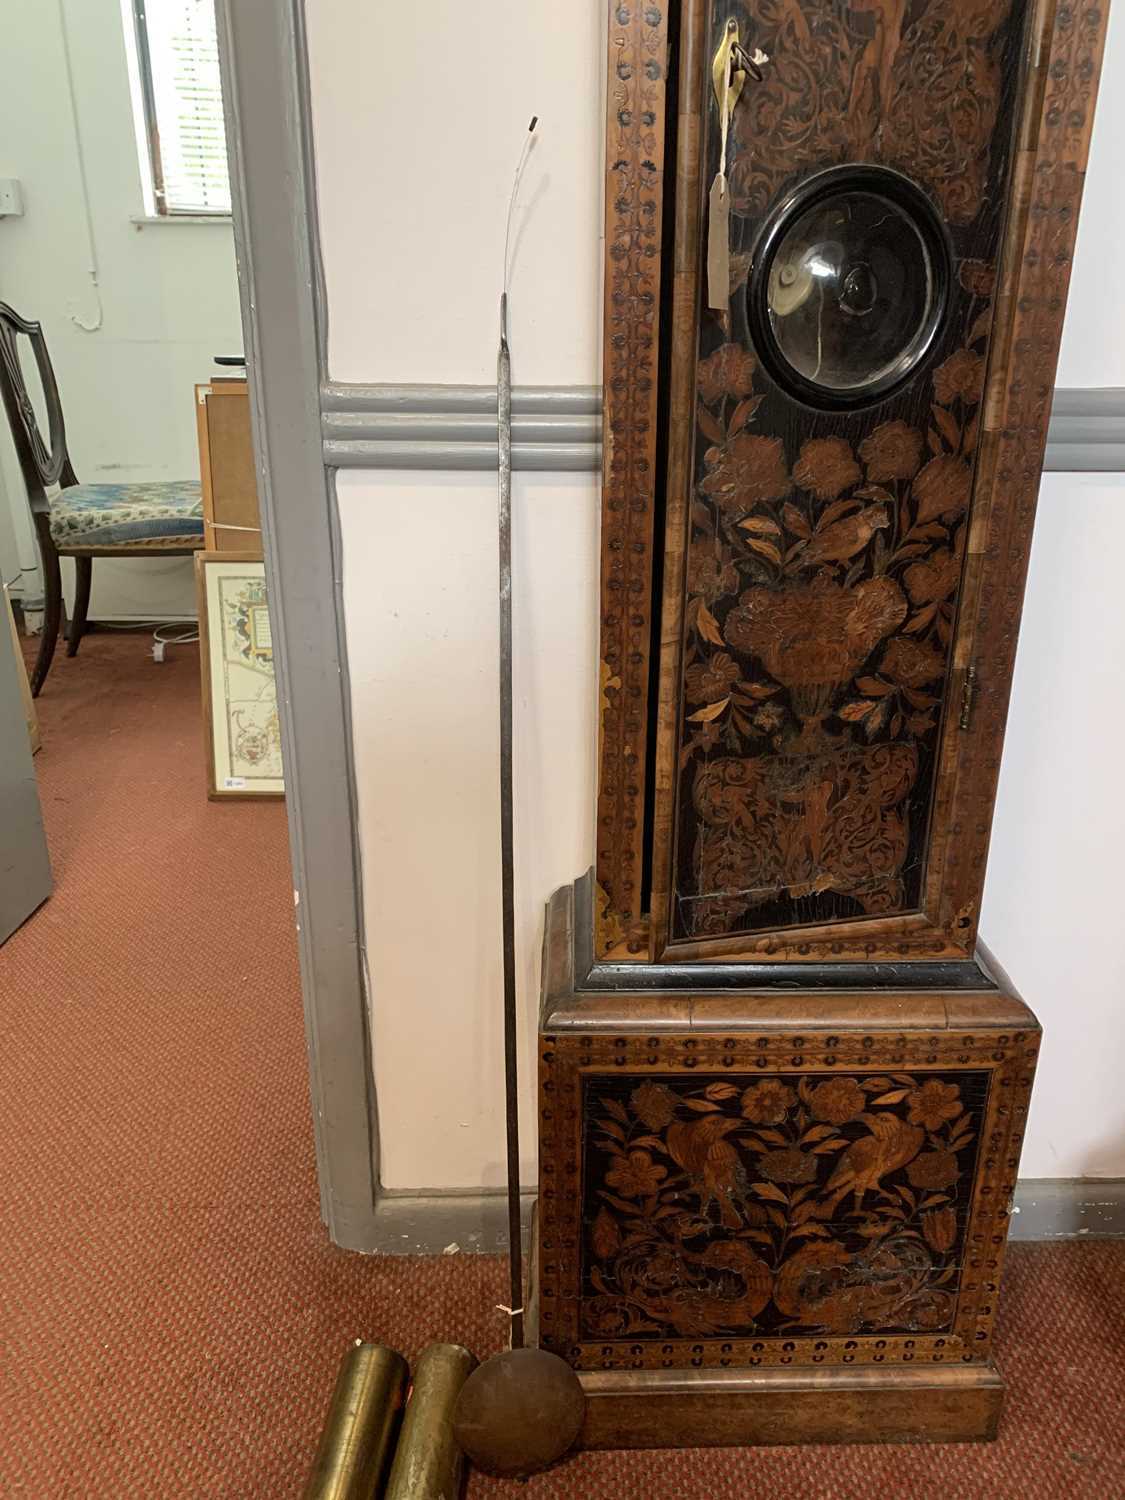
(82, 521)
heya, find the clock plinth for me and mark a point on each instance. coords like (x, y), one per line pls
(774, 1199)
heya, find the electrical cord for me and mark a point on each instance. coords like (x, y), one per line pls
(17, 575)
(160, 639)
(187, 635)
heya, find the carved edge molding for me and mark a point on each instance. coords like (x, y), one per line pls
(559, 428)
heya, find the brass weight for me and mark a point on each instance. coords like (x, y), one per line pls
(359, 1430)
(428, 1463)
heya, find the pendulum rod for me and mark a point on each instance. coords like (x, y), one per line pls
(507, 849)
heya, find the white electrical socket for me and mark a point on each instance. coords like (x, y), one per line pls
(11, 197)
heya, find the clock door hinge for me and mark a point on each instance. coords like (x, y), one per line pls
(968, 698)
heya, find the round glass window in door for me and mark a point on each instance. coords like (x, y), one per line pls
(849, 286)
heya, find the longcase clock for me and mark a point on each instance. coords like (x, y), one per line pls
(783, 1085)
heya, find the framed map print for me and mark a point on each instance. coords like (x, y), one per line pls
(241, 730)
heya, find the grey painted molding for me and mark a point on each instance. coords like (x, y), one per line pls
(265, 90)
(559, 428)
(454, 427)
(1054, 1208)
(445, 1223)
(1087, 431)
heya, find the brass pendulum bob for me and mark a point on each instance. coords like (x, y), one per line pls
(520, 1412)
(523, 1409)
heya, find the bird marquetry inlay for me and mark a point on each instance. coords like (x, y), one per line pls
(832, 1203)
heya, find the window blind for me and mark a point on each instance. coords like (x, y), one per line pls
(185, 105)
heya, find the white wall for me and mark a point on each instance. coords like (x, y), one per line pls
(1093, 346)
(1052, 901)
(420, 119)
(415, 166)
(168, 293)
(420, 571)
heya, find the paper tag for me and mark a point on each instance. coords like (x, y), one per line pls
(233, 783)
(718, 246)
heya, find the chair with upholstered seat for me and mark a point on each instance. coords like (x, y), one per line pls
(82, 521)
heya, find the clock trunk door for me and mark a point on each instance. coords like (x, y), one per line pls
(824, 469)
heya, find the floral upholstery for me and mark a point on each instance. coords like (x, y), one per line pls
(159, 515)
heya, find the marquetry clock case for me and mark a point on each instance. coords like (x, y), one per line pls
(783, 1086)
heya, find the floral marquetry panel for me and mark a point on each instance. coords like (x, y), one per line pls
(737, 1200)
(821, 1204)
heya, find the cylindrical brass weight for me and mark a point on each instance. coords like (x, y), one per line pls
(428, 1463)
(359, 1432)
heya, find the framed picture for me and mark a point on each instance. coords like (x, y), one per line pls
(242, 735)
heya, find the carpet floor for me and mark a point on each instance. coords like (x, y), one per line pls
(171, 1311)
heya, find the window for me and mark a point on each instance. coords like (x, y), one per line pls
(178, 105)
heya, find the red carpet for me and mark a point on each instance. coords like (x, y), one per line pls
(171, 1312)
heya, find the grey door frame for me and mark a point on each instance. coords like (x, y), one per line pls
(262, 53)
(305, 428)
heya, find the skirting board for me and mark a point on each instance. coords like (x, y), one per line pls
(558, 428)
(442, 1223)
(1059, 1208)
(436, 1223)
